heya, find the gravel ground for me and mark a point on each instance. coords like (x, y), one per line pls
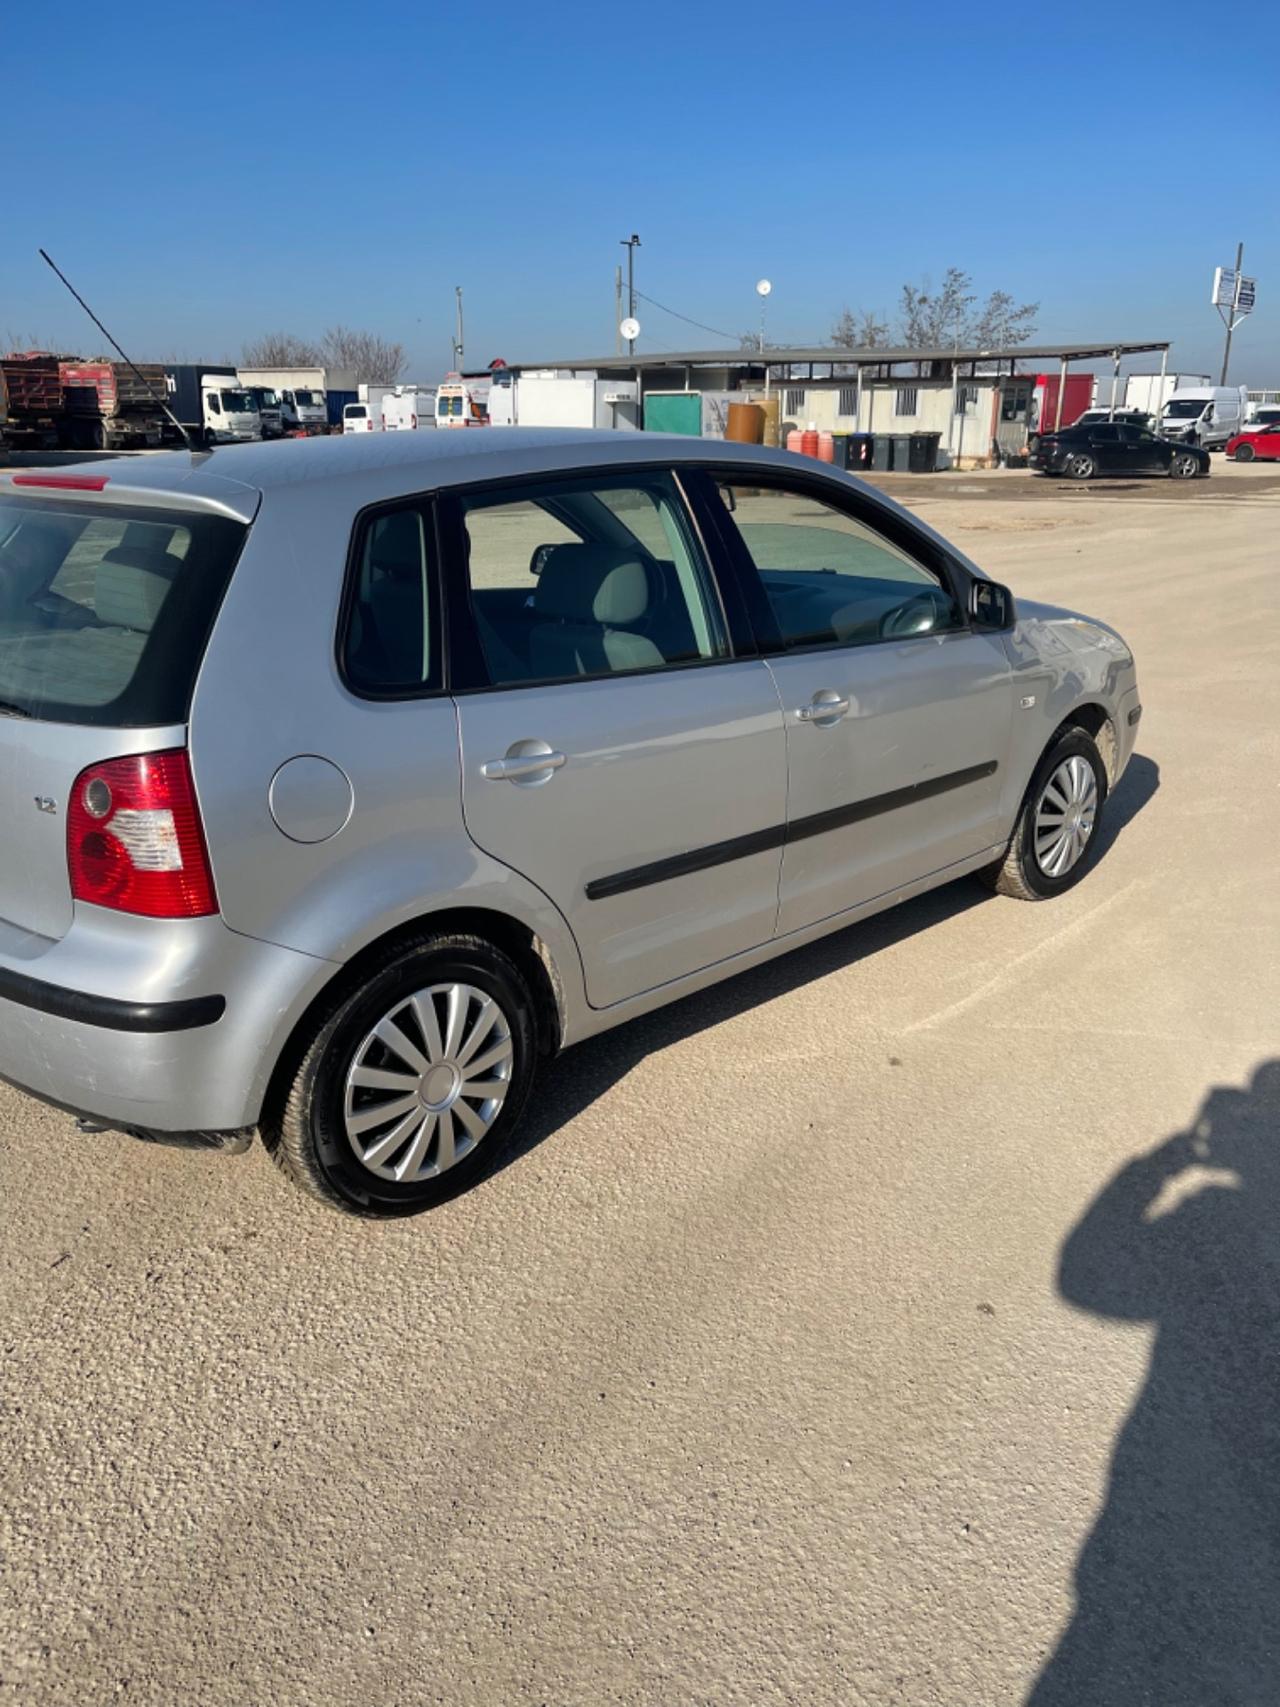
(824, 1344)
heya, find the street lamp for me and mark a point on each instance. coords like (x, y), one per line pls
(631, 244)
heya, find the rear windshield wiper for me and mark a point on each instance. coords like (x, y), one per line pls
(7, 710)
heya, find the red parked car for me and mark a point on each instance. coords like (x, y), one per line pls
(1260, 442)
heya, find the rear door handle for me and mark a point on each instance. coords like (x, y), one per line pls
(825, 708)
(528, 762)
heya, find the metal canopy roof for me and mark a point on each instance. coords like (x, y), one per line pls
(786, 356)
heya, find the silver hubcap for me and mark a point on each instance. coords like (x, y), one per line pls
(1065, 816)
(1081, 466)
(428, 1082)
(1184, 466)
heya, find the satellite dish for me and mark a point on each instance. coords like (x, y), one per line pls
(630, 329)
(763, 288)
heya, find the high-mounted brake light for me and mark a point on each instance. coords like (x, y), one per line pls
(63, 482)
(135, 841)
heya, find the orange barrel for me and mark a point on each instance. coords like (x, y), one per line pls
(826, 447)
(809, 441)
(795, 440)
(745, 424)
(772, 415)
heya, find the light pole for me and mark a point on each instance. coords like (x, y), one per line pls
(631, 244)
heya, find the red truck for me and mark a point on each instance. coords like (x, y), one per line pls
(62, 402)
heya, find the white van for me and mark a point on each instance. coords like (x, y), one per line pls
(407, 407)
(1205, 415)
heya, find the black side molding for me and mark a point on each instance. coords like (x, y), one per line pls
(108, 1012)
(680, 865)
(780, 835)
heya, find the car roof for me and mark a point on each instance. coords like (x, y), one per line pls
(377, 465)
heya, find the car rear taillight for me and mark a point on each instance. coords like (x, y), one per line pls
(135, 841)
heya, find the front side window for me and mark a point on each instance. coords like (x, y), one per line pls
(832, 580)
(588, 578)
(391, 643)
(214, 406)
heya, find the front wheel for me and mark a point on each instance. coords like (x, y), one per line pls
(1081, 467)
(411, 1082)
(1056, 837)
(1184, 465)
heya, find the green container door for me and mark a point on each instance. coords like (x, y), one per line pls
(674, 412)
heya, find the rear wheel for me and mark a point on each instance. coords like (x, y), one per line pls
(1184, 465)
(1056, 836)
(410, 1083)
(1081, 466)
(1245, 453)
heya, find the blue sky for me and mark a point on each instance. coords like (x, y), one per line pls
(206, 173)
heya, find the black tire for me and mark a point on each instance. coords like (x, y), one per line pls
(1245, 453)
(305, 1132)
(1080, 466)
(1184, 465)
(1019, 873)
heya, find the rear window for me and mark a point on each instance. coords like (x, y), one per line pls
(104, 611)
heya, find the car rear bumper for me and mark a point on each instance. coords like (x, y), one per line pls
(158, 1025)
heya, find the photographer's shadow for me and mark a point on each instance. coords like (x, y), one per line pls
(1178, 1586)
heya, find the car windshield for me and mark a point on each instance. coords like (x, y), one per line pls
(269, 399)
(1185, 408)
(237, 402)
(309, 399)
(105, 609)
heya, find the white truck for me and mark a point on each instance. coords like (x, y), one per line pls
(1149, 392)
(304, 393)
(1206, 415)
(407, 407)
(211, 403)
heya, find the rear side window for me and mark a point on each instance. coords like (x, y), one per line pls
(391, 639)
(105, 610)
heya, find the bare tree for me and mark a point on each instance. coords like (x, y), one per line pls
(860, 329)
(376, 361)
(934, 319)
(1002, 323)
(280, 349)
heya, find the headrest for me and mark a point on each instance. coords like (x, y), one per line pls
(395, 546)
(593, 583)
(131, 585)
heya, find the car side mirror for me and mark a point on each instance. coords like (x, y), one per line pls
(538, 562)
(991, 606)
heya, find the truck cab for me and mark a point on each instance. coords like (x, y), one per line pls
(230, 413)
(306, 410)
(269, 410)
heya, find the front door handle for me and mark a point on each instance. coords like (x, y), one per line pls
(826, 708)
(528, 762)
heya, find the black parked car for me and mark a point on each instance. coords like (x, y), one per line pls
(1114, 447)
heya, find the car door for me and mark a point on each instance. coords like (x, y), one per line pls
(897, 713)
(1141, 450)
(615, 748)
(1106, 448)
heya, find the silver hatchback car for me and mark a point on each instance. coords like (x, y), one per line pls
(344, 781)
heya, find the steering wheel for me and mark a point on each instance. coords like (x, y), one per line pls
(917, 616)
